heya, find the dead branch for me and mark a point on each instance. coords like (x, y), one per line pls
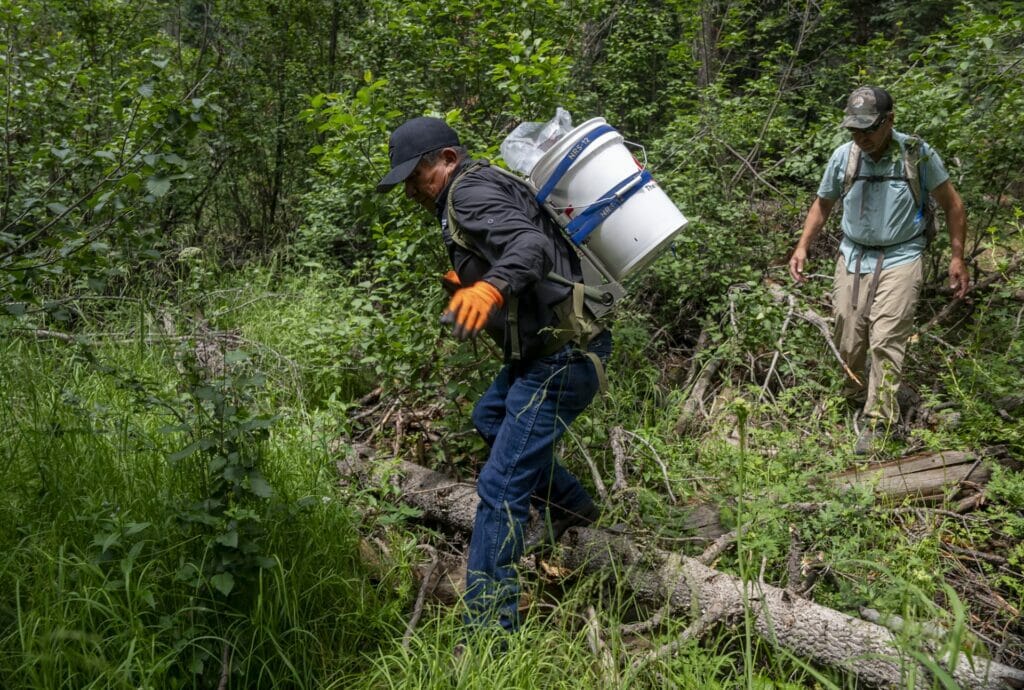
(687, 421)
(815, 319)
(898, 625)
(657, 459)
(747, 164)
(692, 632)
(643, 626)
(417, 609)
(970, 503)
(599, 486)
(778, 346)
(977, 287)
(976, 555)
(605, 660)
(702, 342)
(619, 454)
(657, 578)
(225, 666)
(719, 545)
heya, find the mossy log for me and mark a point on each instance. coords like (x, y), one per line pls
(659, 579)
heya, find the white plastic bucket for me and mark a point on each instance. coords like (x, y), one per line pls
(632, 235)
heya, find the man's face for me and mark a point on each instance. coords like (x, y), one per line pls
(873, 140)
(428, 180)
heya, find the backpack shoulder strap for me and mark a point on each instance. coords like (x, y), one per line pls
(853, 161)
(911, 169)
(455, 230)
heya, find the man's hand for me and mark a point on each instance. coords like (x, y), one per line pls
(470, 308)
(959, 280)
(796, 264)
(815, 221)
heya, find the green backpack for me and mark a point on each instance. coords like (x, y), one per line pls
(911, 151)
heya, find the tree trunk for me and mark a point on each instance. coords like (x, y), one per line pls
(658, 578)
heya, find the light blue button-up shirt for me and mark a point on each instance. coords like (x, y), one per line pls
(881, 213)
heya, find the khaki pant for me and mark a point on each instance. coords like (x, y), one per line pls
(882, 330)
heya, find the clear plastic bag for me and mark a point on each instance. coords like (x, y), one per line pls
(530, 140)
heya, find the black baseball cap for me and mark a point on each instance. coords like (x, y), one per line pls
(866, 106)
(410, 141)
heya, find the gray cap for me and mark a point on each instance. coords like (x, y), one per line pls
(866, 106)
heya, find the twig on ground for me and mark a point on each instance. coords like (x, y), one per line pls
(396, 442)
(643, 627)
(815, 319)
(657, 459)
(619, 454)
(692, 631)
(818, 321)
(225, 666)
(958, 351)
(599, 486)
(417, 609)
(387, 416)
(702, 341)
(778, 346)
(694, 405)
(718, 546)
(970, 503)
(971, 553)
(605, 660)
(897, 624)
(371, 397)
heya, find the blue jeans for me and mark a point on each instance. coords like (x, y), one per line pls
(521, 417)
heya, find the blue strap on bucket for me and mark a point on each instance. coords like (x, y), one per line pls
(570, 158)
(595, 214)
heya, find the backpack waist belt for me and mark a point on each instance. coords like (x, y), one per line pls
(876, 274)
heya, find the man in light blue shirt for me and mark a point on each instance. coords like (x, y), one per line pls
(879, 270)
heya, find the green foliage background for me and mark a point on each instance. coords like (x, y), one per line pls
(199, 286)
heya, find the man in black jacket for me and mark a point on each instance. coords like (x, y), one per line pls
(502, 247)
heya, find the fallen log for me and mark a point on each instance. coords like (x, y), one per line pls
(925, 477)
(921, 478)
(683, 585)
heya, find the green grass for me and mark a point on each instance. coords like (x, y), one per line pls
(98, 582)
(105, 572)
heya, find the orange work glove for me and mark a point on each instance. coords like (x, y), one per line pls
(450, 282)
(470, 307)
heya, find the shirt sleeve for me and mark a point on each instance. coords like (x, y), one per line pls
(831, 186)
(933, 171)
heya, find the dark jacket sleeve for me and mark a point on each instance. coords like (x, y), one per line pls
(515, 246)
(501, 220)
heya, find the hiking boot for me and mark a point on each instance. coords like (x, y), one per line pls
(866, 439)
(554, 529)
